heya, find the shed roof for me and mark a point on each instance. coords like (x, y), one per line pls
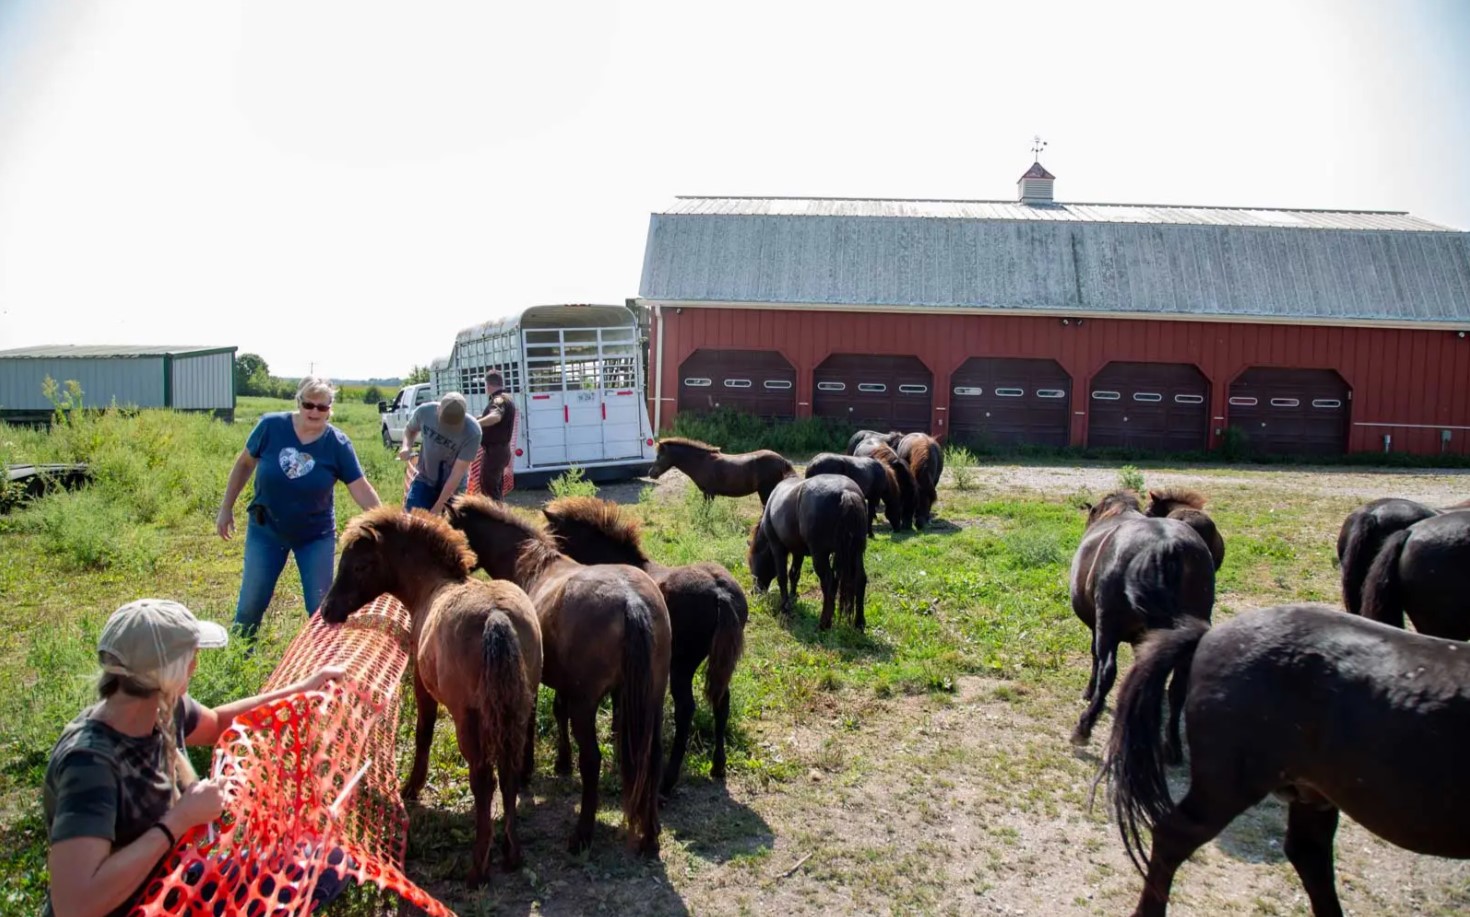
(1128, 259)
(70, 351)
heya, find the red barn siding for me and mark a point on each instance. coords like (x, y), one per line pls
(1405, 383)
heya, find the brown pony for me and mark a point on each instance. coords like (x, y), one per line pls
(477, 650)
(707, 612)
(1188, 507)
(605, 630)
(1132, 575)
(926, 459)
(908, 491)
(720, 475)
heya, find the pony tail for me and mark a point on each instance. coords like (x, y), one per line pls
(510, 701)
(725, 650)
(1383, 599)
(640, 740)
(852, 543)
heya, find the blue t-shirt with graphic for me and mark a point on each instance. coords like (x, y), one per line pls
(294, 480)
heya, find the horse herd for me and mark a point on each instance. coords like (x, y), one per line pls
(1330, 711)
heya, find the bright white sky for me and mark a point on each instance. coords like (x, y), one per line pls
(346, 185)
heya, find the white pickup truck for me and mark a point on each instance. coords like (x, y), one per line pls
(394, 417)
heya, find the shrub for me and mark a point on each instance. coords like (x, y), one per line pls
(1130, 478)
(572, 483)
(963, 466)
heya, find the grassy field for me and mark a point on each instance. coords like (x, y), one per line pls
(921, 767)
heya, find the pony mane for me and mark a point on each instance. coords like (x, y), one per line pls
(684, 443)
(750, 547)
(1164, 500)
(537, 551)
(601, 516)
(448, 545)
(1114, 504)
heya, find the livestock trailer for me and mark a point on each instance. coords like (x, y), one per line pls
(180, 378)
(576, 375)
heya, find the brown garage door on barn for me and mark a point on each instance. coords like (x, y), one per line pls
(877, 392)
(1161, 407)
(1290, 411)
(759, 382)
(1008, 401)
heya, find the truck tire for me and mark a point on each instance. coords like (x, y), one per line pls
(387, 438)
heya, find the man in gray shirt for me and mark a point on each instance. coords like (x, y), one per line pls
(450, 444)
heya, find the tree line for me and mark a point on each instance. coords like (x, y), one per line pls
(253, 377)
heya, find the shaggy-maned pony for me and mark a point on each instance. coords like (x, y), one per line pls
(889, 439)
(825, 517)
(875, 478)
(605, 630)
(1424, 571)
(707, 613)
(908, 490)
(1362, 536)
(1133, 574)
(926, 458)
(720, 475)
(1188, 506)
(1329, 711)
(476, 649)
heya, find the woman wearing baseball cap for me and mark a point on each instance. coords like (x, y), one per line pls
(119, 791)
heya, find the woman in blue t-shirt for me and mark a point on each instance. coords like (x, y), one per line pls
(297, 458)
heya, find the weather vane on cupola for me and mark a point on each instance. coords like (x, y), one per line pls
(1037, 145)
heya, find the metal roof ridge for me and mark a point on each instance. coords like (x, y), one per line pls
(1049, 205)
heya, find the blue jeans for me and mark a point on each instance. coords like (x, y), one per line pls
(423, 495)
(265, 558)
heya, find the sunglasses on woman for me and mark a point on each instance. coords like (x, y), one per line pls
(313, 406)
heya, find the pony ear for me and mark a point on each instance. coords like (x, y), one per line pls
(1153, 494)
(1087, 506)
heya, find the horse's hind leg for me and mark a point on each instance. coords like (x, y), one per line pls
(796, 558)
(1309, 833)
(482, 784)
(681, 685)
(822, 564)
(1092, 679)
(510, 788)
(423, 737)
(722, 721)
(584, 725)
(1106, 647)
(563, 766)
(1194, 822)
(1178, 692)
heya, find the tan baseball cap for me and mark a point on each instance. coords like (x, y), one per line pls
(148, 634)
(452, 409)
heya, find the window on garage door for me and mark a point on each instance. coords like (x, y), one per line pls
(1160, 407)
(873, 391)
(1289, 411)
(759, 382)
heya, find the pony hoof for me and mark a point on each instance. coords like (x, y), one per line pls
(580, 842)
(477, 877)
(563, 768)
(513, 861)
(1080, 736)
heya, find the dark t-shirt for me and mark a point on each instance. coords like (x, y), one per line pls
(294, 480)
(102, 783)
(500, 403)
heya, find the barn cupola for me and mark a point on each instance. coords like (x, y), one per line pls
(1035, 185)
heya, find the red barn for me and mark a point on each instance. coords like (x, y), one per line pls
(1031, 321)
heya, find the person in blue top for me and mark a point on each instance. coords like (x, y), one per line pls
(297, 458)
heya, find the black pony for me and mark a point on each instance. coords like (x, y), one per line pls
(1330, 711)
(908, 489)
(825, 517)
(890, 439)
(1363, 534)
(1424, 570)
(875, 478)
(1131, 575)
(707, 613)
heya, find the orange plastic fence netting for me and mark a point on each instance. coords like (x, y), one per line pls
(309, 783)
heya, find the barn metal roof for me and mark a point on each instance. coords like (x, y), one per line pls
(1140, 260)
(53, 351)
(1052, 212)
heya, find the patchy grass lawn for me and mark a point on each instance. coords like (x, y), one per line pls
(922, 767)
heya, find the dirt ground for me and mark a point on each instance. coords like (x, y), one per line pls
(967, 803)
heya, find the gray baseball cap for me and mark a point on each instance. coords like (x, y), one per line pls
(149, 634)
(452, 409)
